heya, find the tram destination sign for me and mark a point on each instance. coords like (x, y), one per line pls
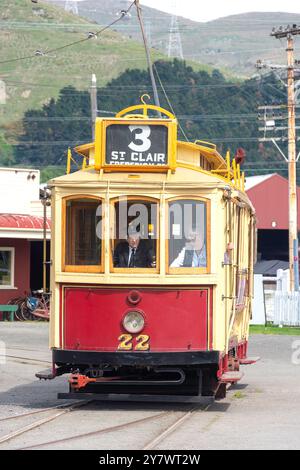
(136, 145)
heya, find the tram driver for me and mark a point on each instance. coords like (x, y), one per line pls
(193, 254)
(135, 252)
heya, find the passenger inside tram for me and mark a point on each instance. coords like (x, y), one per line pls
(187, 234)
(134, 253)
(193, 254)
(134, 234)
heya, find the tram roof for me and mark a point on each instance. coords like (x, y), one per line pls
(210, 153)
(196, 164)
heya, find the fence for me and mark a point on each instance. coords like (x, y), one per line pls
(287, 308)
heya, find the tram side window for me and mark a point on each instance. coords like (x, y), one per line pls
(83, 232)
(135, 233)
(241, 289)
(187, 234)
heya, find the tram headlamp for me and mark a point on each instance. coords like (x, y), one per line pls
(133, 321)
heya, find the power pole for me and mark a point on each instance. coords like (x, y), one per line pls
(139, 14)
(174, 43)
(289, 32)
(94, 106)
(71, 6)
(148, 32)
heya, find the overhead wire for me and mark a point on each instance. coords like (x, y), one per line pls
(175, 87)
(79, 41)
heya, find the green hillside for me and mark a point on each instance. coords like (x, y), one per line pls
(26, 27)
(231, 43)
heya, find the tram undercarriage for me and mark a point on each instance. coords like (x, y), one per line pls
(173, 377)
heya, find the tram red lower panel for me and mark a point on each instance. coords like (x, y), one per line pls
(175, 319)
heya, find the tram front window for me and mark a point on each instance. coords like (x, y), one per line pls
(187, 234)
(134, 237)
(83, 232)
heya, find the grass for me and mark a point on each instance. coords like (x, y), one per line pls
(274, 330)
(239, 395)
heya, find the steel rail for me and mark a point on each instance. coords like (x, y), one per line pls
(26, 359)
(148, 446)
(98, 431)
(36, 424)
(44, 410)
(170, 429)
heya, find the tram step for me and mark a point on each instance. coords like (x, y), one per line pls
(249, 360)
(231, 376)
(46, 374)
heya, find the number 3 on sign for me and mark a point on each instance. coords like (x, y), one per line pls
(142, 136)
(126, 343)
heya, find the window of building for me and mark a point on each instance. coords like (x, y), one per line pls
(84, 234)
(7, 267)
(134, 234)
(188, 242)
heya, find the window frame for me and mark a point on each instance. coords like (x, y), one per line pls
(12, 267)
(127, 270)
(76, 268)
(191, 270)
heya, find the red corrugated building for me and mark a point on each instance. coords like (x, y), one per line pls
(269, 195)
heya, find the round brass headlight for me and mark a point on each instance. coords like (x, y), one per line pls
(133, 321)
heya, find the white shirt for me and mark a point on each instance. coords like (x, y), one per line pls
(198, 260)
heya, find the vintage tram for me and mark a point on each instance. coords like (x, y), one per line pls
(151, 265)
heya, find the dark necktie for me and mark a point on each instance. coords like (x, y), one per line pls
(132, 259)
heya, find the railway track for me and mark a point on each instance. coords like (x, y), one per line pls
(179, 421)
(60, 410)
(27, 360)
(23, 359)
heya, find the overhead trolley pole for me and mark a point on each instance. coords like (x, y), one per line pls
(140, 18)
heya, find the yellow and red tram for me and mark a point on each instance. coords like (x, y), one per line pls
(152, 265)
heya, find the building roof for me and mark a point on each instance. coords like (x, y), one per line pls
(269, 267)
(252, 181)
(269, 195)
(23, 226)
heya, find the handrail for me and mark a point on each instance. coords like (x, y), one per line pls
(206, 144)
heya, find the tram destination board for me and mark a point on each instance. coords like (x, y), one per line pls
(136, 145)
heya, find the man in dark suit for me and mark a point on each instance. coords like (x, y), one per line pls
(134, 253)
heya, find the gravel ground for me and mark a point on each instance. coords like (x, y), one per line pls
(261, 412)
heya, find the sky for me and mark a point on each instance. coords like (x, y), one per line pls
(200, 10)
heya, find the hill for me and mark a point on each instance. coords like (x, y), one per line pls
(232, 43)
(26, 27)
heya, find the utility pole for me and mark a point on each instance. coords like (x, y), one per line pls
(289, 32)
(94, 107)
(293, 229)
(139, 14)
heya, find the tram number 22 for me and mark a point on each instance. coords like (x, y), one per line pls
(139, 343)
